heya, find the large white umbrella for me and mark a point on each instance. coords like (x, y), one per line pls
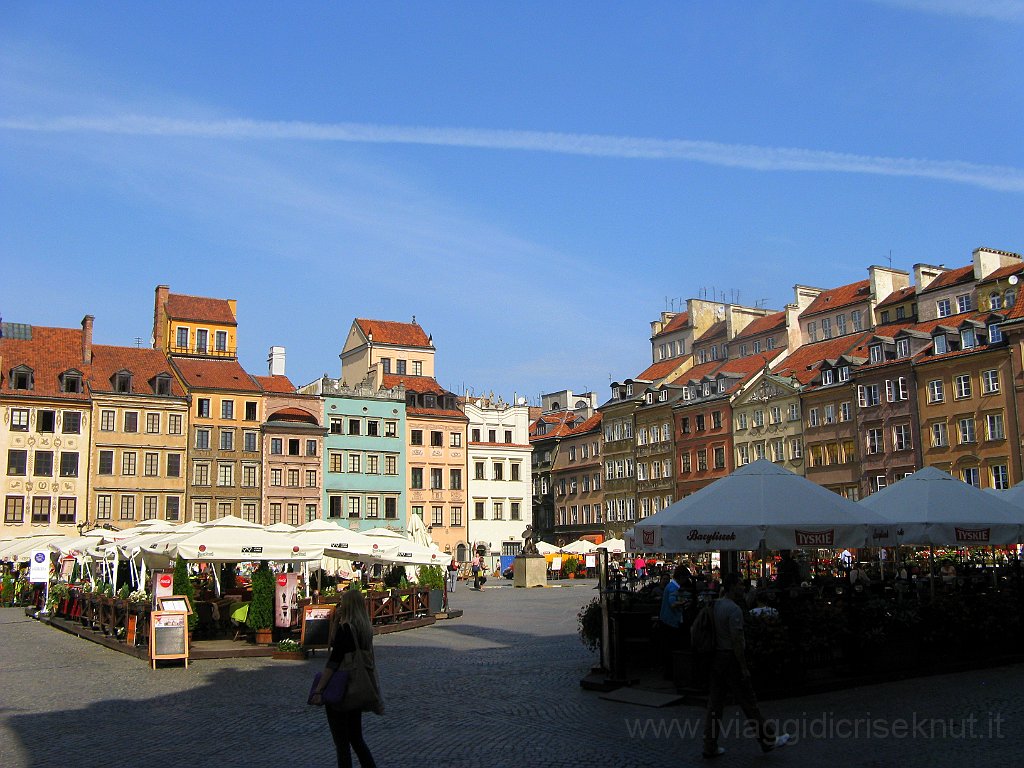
(403, 552)
(232, 521)
(614, 546)
(931, 507)
(350, 544)
(281, 528)
(233, 544)
(580, 547)
(758, 502)
(546, 549)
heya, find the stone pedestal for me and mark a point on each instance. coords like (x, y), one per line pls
(529, 571)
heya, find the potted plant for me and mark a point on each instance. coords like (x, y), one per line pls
(138, 601)
(289, 649)
(58, 595)
(570, 566)
(261, 609)
(588, 622)
(183, 586)
(432, 577)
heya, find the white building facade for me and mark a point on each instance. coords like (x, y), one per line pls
(499, 488)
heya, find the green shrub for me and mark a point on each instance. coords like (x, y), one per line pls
(261, 609)
(430, 576)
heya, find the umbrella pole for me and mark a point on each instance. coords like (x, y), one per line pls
(931, 570)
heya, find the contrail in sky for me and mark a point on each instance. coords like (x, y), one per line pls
(758, 158)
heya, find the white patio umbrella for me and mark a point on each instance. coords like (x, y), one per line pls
(614, 546)
(405, 552)
(931, 507)
(580, 547)
(232, 521)
(281, 528)
(351, 544)
(546, 549)
(759, 502)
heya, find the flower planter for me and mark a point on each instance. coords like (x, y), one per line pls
(289, 655)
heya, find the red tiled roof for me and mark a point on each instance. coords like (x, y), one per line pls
(834, 298)
(182, 307)
(589, 425)
(142, 363)
(660, 369)
(214, 374)
(559, 420)
(676, 323)
(486, 444)
(293, 414)
(715, 330)
(390, 332)
(950, 278)
(278, 384)
(1003, 272)
(49, 353)
(412, 383)
(802, 363)
(697, 372)
(748, 366)
(897, 296)
(766, 324)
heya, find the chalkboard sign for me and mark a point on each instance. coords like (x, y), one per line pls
(168, 636)
(316, 626)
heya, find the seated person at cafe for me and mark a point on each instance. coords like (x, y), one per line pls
(947, 571)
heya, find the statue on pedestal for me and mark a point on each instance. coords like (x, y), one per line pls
(530, 541)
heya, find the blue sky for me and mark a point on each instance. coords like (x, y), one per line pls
(532, 181)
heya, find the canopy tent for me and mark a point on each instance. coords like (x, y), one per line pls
(402, 552)
(580, 547)
(931, 507)
(20, 550)
(233, 544)
(758, 502)
(614, 546)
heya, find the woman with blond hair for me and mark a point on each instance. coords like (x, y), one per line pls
(350, 631)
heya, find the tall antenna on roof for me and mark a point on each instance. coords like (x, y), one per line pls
(890, 258)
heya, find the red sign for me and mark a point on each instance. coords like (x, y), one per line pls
(284, 600)
(166, 580)
(282, 580)
(815, 538)
(648, 537)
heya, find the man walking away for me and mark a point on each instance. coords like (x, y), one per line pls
(729, 673)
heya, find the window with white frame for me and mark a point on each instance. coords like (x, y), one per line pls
(873, 442)
(794, 411)
(844, 373)
(1000, 477)
(943, 308)
(868, 395)
(940, 344)
(827, 376)
(901, 437)
(830, 414)
(845, 411)
(902, 348)
(994, 426)
(971, 476)
(758, 451)
(826, 328)
(742, 454)
(936, 393)
(963, 302)
(967, 339)
(813, 417)
(796, 448)
(841, 323)
(990, 381)
(967, 430)
(812, 331)
(855, 317)
(741, 420)
(939, 437)
(876, 353)
(758, 418)
(961, 386)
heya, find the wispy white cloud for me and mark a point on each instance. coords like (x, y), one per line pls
(997, 10)
(752, 157)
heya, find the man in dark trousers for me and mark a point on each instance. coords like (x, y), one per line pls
(729, 672)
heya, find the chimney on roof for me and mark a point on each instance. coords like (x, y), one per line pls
(275, 361)
(87, 322)
(160, 317)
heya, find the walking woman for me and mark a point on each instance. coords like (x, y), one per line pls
(350, 629)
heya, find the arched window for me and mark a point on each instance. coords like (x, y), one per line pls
(995, 301)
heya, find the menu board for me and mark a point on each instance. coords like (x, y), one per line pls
(316, 626)
(174, 603)
(168, 636)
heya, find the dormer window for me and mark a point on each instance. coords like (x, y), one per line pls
(968, 340)
(22, 378)
(649, 397)
(706, 389)
(827, 376)
(162, 384)
(122, 381)
(629, 390)
(71, 381)
(941, 346)
(430, 401)
(686, 393)
(994, 334)
(902, 348)
(663, 395)
(876, 353)
(721, 386)
(844, 373)
(410, 399)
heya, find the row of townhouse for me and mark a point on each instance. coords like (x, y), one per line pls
(105, 435)
(853, 387)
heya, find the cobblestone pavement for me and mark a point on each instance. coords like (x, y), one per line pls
(498, 687)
